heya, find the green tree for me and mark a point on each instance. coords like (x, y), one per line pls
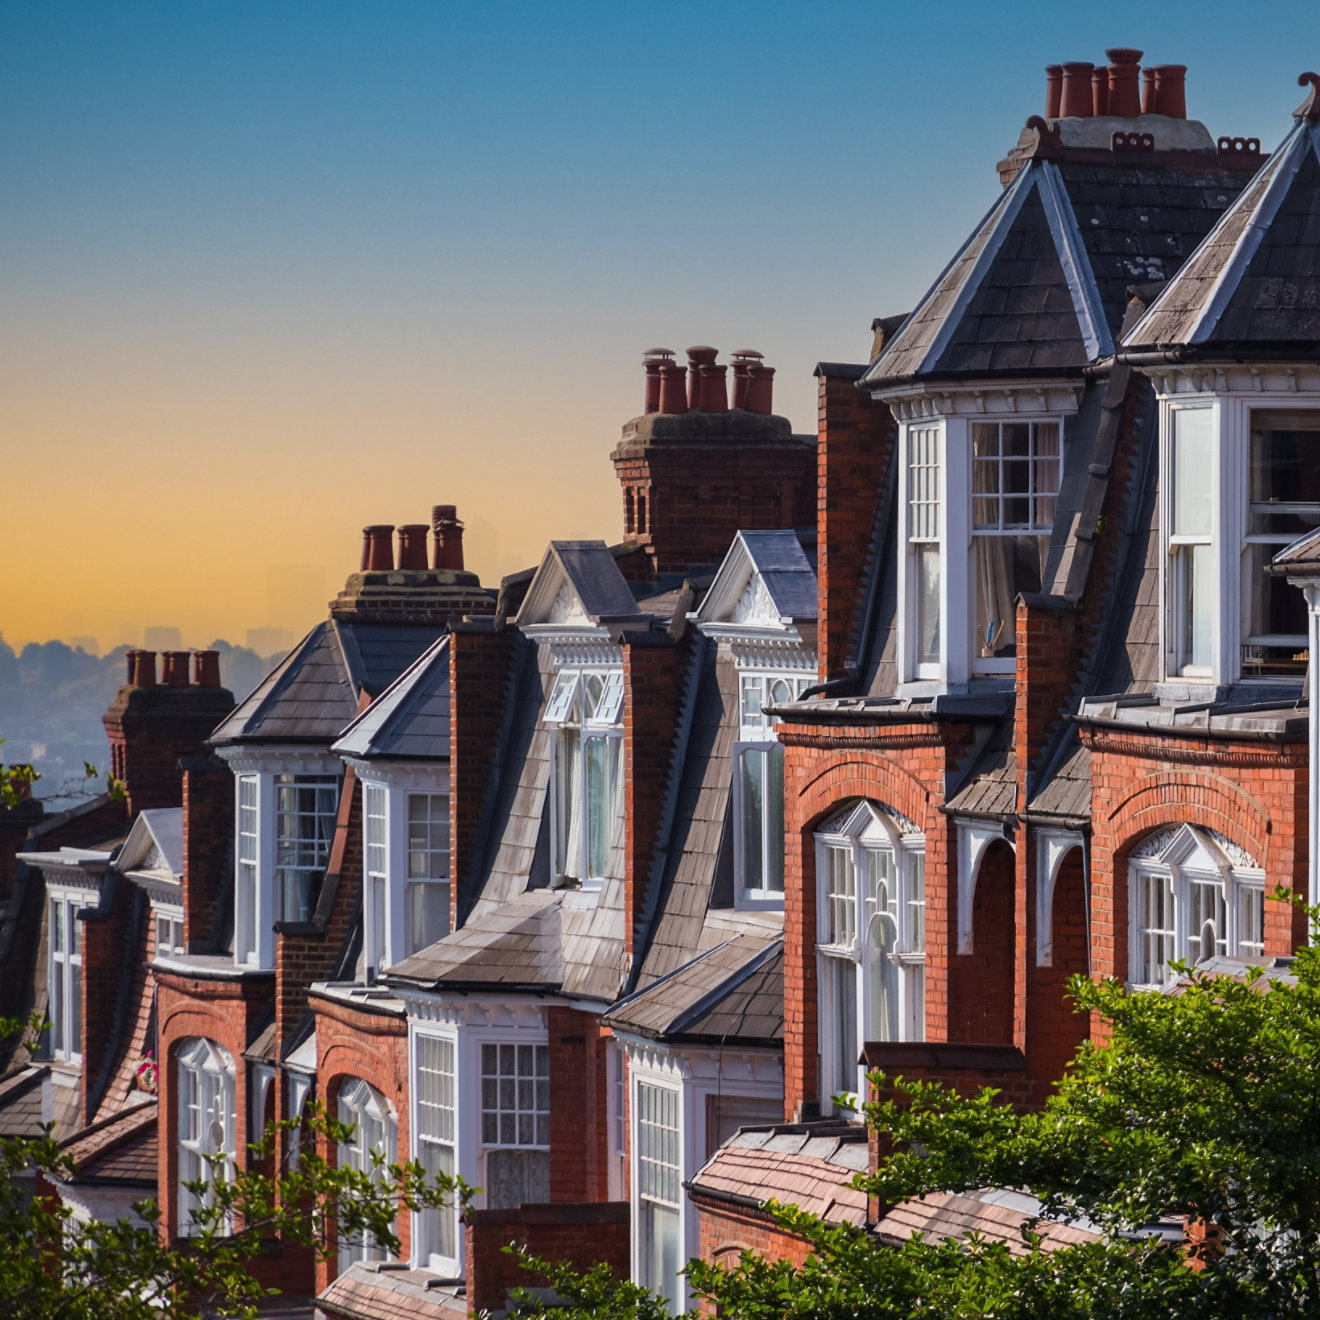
(53, 1265)
(1203, 1105)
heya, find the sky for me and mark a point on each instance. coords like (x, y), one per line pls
(270, 272)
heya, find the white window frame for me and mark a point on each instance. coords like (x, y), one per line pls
(411, 882)
(537, 1085)
(934, 492)
(376, 942)
(300, 872)
(563, 714)
(1037, 528)
(424, 1142)
(64, 937)
(169, 923)
(209, 1068)
(617, 1119)
(868, 829)
(646, 1091)
(1187, 857)
(370, 1114)
(756, 738)
(254, 860)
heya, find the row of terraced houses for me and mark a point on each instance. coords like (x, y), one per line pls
(603, 888)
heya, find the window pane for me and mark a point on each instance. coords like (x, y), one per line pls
(1005, 566)
(926, 570)
(752, 770)
(881, 980)
(774, 845)
(1193, 462)
(1207, 932)
(427, 915)
(1155, 927)
(843, 996)
(1285, 473)
(1194, 567)
(1251, 922)
(600, 819)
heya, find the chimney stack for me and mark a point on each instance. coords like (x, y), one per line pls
(1124, 82)
(1053, 90)
(448, 536)
(174, 669)
(412, 545)
(1076, 101)
(1171, 90)
(702, 355)
(206, 668)
(653, 361)
(377, 548)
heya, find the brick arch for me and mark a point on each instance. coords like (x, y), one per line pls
(188, 1019)
(877, 778)
(1172, 797)
(349, 1069)
(981, 982)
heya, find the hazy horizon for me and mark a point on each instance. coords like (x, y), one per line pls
(275, 272)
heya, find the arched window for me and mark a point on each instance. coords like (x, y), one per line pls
(206, 1125)
(370, 1151)
(871, 938)
(1194, 894)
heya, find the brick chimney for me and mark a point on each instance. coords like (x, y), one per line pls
(696, 470)
(153, 725)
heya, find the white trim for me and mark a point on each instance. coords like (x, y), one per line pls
(1052, 846)
(974, 837)
(1077, 271)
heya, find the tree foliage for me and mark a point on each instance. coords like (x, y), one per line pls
(53, 1264)
(1202, 1106)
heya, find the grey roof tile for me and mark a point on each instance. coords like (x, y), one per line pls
(410, 719)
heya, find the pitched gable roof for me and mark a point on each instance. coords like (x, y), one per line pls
(765, 578)
(1255, 280)
(410, 719)
(578, 582)
(154, 843)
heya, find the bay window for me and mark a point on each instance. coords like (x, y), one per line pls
(586, 707)
(758, 839)
(925, 497)
(436, 1139)
(369, 1151)
(515, 1123)
(1193, 894)
(659, 1190)
(1191, 566)
(64, 974)
(306, 806)
(1015, 488)
(1283, 497)
(206, 1126)
(871, 940)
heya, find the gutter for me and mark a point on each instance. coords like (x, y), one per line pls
(1271, 736)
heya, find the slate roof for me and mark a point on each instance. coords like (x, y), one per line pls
(734, 991)
(410, 719)
(312, 695)
(590, 569)
(371, 1290)
(1041, 284)
(120, 1149)
(161, 826)
(809, 1166)
(1254, 283)
(778, 559)
(1067, 791)
(21, 1102)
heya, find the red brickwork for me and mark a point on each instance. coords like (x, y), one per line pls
(900, 766)
(105, 946)
(580, 1136)
(982, 982)
(1254, 793)
(357, 1043)
(208, 834)
(1054, 1030)
(653, 671)
(725, 1231)
(854, 449)
(578, 1235)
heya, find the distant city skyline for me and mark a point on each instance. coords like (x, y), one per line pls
(274, 272)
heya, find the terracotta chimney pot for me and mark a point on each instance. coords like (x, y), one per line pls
(143, 671)
(652, 360)
(174, 669)
(1053, 90)
(448, 537)
(1076, 100)
(1148, 91)
(377, 550)
(714, 389)
(1100, 91)
(206, 668)
(673, 388)
(702, 355)
(412, 545)
(1171, 90)
(1124, 82)
(760, 389)
(130, 661)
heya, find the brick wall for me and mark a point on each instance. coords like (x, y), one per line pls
(208, 832)
(653, 671)
(106, 945)
(578, 1235)
(981, 983)
(856, 442)
(580, 1136)
(479, 671)
(357, 1043)
(725, 1231)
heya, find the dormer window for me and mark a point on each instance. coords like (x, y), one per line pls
(758, 803)
(586, 707)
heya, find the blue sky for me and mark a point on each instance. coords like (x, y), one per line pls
(282, 269)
